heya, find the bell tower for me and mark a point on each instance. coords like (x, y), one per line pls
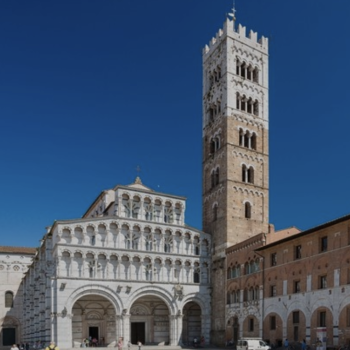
(235, 149)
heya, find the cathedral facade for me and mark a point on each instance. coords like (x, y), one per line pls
(129, 269)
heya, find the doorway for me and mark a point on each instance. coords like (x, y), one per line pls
(8, 336)
(137, 332)
(235, 330)
(93, 334)
(296, 333)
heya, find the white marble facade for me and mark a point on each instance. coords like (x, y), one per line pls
(129, 268)
(14, 262)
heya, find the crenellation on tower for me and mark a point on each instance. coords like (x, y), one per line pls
(240, 34)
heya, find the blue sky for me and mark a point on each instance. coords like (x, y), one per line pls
(89, 90)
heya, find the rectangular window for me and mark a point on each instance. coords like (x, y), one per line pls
(273, 259)
(273, 291)
(322, 282)
(296, 317)
(272, 322)
(296, 287)
(251, 325)
(323, 244)
(297, 252)
(322, 319)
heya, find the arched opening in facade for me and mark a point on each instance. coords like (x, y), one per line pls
(94, 316)
(9, 331)
(149, 321)
(192, 322)
(232, 331)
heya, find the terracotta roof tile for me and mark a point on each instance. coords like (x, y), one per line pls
(17, 250)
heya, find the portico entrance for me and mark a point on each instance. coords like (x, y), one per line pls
(192, 323)
(149, 320)
(94, 316)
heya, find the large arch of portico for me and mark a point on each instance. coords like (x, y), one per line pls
(151, 308)
(72, 317)
(194, 318)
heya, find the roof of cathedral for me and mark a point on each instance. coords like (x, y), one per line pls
(139, 185)
(17, 250)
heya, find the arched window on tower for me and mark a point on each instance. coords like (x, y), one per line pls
(247, 210)
(256, 108)
(249, 73)
(241, 137)
(250, 178)
(212, 146)
(244, 173)
(256, 75)
(253, 141)
(212, 177)
(215, 212)
(8, 299)
(217, 176)
(246, 139)
(249, 105)
(243, 70)
(243, 103)
(247, 174)
(217, 143)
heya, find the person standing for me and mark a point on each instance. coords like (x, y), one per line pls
(120, 344)
(14, 347)
(52, 346)
(303, 345)
(139, 344)
(129, 345)
(286, 344)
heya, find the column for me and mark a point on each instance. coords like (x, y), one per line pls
(125, 332)
(205, 328)
(178, 335)
(162, 212)
(141, 216)
(161, 272)
(172, 325)
(118, 328)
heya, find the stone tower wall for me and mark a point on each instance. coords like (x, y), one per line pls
(235, 149)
